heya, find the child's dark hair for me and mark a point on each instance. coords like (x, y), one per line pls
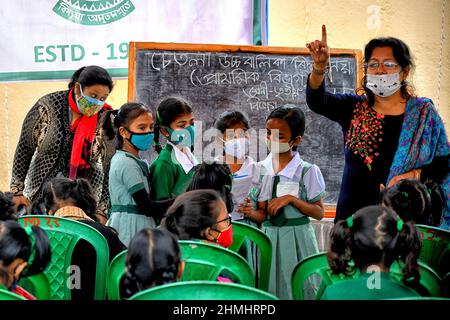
(17, 242)
(7, 207)
(229, 119)
(153, 259)
(215, 176)
(401, 54)
(79, 192)
(168, 110)
(191, 213)
(293, 115)
(412, 201)
(123, 118)
(372, 236)
(91, 75)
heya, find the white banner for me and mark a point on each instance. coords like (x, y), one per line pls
(45, 39)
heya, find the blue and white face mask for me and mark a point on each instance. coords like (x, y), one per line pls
(183, 137)
(141, 141)
(383, 85)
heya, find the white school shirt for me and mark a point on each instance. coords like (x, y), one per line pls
(186, 159)
(290, 178)
(243, 179)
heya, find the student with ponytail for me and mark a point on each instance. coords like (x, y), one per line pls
(371, 240)
(23, 252)
(153, 259)
(414, 201)
(74, 199)
(171, 172)
(200, 215)
(129, 185)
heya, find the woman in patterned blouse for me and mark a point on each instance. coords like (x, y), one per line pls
(62, 136)
(390, 134)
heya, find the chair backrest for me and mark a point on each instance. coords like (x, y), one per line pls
(243, 232)
(315, 264)
(435, 248)
(205, 261)
(202, 262)
(64, 234)
(203, 290)
(116, 271)
(8, 295)
(37, 284)
(428, 278)
(318, 264)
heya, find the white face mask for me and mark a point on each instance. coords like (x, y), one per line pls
(237, 147)
(278, 147)
(384, 85)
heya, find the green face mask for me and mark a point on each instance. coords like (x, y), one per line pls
(183, 137)
(278, 147)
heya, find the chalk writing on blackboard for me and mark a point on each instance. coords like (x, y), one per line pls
(219, 78)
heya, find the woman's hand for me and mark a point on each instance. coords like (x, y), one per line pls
(413, 174)
(278, 203)
(319, 51)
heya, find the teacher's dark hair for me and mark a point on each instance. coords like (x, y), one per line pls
(401, 54)
(91, 75)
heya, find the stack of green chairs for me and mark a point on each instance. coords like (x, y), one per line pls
(318, 264)
(243, 232)
(203, 290)
(203, 261)
(64, 234)
(435, 248)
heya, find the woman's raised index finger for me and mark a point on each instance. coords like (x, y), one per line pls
(324, 34)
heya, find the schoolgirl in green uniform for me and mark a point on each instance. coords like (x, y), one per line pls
(171, 172)
(370, 241)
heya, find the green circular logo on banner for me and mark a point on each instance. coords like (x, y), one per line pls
(93, 12)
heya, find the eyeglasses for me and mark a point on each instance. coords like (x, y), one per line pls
(227, 219)
(388, 65)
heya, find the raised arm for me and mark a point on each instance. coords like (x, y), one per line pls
(319, 54)
(335, 106)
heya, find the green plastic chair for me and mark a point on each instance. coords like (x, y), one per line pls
(318, 264)
(38, 285)
(428, 278)
(205, 261)
(315, 264)
(8, 295)
(202, 262)
(203, 290)
(64, 234)
(116, 271)
(243, 232)
(435, 248)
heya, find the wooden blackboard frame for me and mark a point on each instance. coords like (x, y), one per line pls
(136, 46)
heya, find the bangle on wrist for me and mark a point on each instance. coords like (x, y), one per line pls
(417, 174)
(319, 72)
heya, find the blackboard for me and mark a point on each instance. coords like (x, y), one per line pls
(255, 80)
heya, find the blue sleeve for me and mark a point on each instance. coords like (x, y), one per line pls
(334, 106)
